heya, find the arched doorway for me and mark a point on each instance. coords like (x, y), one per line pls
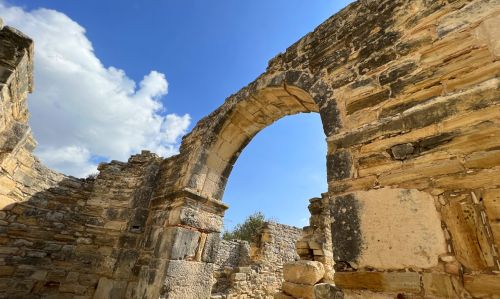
(207, 156)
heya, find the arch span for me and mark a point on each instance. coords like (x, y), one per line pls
(215, 143)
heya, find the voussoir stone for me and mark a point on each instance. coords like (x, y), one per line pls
(303, 272)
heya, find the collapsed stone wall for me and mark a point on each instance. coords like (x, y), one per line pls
(408, 94)
(231, 255)
(255, 270)
(60, 235)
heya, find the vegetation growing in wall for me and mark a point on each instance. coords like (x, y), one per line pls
(249, 230)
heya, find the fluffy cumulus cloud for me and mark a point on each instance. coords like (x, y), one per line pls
(82, 111)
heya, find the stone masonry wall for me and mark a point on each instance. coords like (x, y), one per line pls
(62, 236)
(409, 96)
(255, 270)
(230, 256)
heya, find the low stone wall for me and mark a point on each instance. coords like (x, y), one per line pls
(255, 270)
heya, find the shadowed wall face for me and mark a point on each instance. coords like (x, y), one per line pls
(408, 96)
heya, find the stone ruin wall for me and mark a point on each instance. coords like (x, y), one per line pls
(61, 236)
(255, 270)
(408, 93)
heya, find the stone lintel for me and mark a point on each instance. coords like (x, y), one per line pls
(188, 198)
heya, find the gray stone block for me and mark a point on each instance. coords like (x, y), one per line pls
(327, 291)
(186, 279)
(110, 289)
(178, 243)
(211, 248)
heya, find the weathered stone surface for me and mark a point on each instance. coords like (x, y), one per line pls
(185, 279)
(327, 291)
(298, 290)
(362, 294)
(281, 295)
(379, 281)
(491, 201)
(401, 151)
(257, 267)
(468, 235)
(108, 288)
(211, 247)
(482, 284)
(303, 272)
(377, 217)
(439, 285)
(345, 228)
(179, 242)
(339, 165)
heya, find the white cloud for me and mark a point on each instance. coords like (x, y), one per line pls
(71, 158)
(81, 109)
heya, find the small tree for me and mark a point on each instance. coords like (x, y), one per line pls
(249, 230)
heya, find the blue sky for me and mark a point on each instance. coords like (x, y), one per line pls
(173, 62)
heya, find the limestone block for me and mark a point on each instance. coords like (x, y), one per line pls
(482, 284)
(301, 245)
(303, 272)
(80, 290)
(195, 217)
(6, 203)
(186, 279)
(314, 245)
(473, 180)
(110, 289)
(362, 294)
(468, 235)
(125, 263)
(439, 285)
(488, 32)
(495, 228)
(282, 295)
(485, 159)
(401, 151)
(491, 201)
(379, 281)
(304, 291)
(327, 291)
(211, 248)
(387, 229)
(238, 276)
(6, 184)
(244, 269)
(178, 243)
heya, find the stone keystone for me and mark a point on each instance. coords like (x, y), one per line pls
(303, 272)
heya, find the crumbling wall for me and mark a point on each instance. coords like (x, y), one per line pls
(61, 235)
(408, 94)
(255, 270)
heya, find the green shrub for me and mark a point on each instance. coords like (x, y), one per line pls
(249, 230)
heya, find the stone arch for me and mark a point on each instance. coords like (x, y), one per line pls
(214, 145)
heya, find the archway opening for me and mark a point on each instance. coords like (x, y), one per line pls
(276, 174)
(211, 151)
(283, 167)
(280, 169)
